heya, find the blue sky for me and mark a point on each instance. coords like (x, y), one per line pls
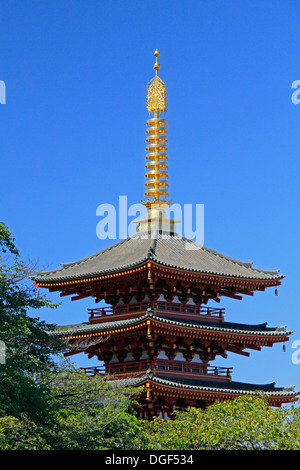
(73, 137)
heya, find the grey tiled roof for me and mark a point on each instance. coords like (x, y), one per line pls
(168, 250)
(226, 327)
(238, 388)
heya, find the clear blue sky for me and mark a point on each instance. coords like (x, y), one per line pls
(73, 136)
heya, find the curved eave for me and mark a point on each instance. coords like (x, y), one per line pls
(172, 252)
(266, 275)
(214, 390)
(272, 277)
(98, 276)
(259, 332)
(285, 392)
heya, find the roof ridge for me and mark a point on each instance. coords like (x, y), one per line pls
(217, 326)
(97, 253)
(243, 263)
(234, 260)
(256, 387)
(232, 327)
(235, 388)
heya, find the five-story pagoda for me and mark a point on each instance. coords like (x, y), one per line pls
(156, 329)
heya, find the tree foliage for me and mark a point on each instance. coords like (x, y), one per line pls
(245, 423)
(90, 412)
(27, 348)
(84, 413)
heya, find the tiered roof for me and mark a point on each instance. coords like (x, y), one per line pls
(216, 390)
(226, 327)
(165, 249)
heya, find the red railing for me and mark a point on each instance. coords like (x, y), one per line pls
(192, 368)
(193, 311)
(165, 366)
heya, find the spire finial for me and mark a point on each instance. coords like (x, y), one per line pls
(156, 98)
(156, 65)
(156, 184)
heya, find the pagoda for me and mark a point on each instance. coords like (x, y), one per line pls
(156, 328)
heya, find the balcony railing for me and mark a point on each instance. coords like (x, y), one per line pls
(169, 308)
(167, 367)
(192, 368)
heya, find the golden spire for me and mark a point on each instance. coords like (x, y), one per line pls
(156, 167)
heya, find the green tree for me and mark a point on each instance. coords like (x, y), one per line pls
(91, 412)
(246, 423)
(84, 413)
(27, 348)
